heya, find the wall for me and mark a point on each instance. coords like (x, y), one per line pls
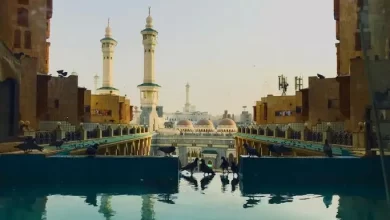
(42, 97)
(118, 105)
(270, 105)
(86, 170)
(321, 93)
(65, 90)
(380, 72)
(320, 170)
(347, 24)
(84, 105)
(39, 14)
(28, 91)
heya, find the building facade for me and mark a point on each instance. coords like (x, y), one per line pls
(25, 28)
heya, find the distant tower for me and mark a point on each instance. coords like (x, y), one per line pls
(187, 106)
(149, 89)
(96, 82)
(108, 47)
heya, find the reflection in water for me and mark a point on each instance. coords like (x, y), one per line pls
(234, 183)
(348, 203)
(251, 202)
(205, 181)
(224, 181)
(191, 180)
(279, 199)
(147, 210)
(105, 207)
(91, 199)
(327, 199)
(166, 198)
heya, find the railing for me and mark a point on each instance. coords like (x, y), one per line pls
(318, 135)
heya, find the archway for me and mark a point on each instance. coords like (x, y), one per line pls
(9, 99)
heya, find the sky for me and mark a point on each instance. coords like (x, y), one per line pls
(231, 52)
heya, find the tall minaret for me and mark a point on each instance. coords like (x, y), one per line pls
(187, 106)
(149, 89)
(108, 47)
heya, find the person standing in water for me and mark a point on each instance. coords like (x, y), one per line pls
(327, 149)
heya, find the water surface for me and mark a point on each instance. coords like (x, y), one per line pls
(199, 198)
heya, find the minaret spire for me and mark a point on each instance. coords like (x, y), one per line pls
(108, 24)
(149, 10)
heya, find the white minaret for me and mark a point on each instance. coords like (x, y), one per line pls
(149, 89)
(187, 106)
(108, 47)
(96, 82)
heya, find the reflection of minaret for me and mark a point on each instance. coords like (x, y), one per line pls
(105, 207)
(147, 210)
(108, 47)
(149, 88)
(187, 105)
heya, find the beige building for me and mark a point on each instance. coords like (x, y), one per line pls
(108, 108)
(25, 28)
(376, 30)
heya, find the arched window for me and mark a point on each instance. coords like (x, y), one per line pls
(27, 40)
(23, 17)
(17, 38)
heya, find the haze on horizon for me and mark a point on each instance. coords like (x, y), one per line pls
(231, 52)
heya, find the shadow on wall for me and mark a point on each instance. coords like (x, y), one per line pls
(9, 108)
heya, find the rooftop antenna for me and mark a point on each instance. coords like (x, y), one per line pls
(298, 83)
(283, 85)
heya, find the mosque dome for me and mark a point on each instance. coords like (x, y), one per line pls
(204, 125)
(204, 122)
(227, 125)
(185, 125)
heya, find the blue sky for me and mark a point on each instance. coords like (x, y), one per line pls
(230, 51)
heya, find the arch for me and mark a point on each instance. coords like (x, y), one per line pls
(9, 99)
(22, 18)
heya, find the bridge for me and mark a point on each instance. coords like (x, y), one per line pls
(303, 141)
(113, 139)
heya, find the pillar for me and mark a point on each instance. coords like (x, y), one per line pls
(264, 149)
(83, 133)
(60, 133)
(288, 133)
(327, 135)
(110, 131)
(120, 128)
(98, 132)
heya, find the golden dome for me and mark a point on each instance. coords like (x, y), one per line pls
(204, 122)
(227, 121)
(184, 123)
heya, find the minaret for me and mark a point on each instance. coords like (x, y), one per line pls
(108, 47)
(149, 89)
(187, 106)
(96, 82)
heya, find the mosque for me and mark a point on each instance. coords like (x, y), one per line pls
(201, 140)
(189, 112)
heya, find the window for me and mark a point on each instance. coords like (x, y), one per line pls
(298, 109)
(56, 104)
(358, 43)
(23, 17)
(87, 109)
(23, 2)
(27, 40)
(17, 38)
